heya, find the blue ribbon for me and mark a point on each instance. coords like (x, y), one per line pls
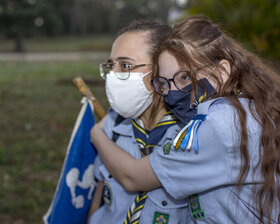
(187, 136)
(200, 117)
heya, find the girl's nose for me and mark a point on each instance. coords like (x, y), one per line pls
(172, 85)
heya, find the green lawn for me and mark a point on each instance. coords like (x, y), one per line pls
(39, 106)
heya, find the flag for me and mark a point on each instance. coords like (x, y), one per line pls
(76, 185)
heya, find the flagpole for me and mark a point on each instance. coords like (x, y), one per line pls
(85, 91)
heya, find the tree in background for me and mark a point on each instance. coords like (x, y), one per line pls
(31, 18)
(254, 22)
(23, 18)
(127, 10)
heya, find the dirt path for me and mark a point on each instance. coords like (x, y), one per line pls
(54, 56)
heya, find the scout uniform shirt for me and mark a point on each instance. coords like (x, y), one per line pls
(159, 206)
(207, 176)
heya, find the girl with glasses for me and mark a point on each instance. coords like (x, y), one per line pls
(128, 123)
(226, 160)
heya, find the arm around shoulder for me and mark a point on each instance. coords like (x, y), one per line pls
(142, 177)
(133, 174)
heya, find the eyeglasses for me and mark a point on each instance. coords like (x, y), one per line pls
(120, 69)
(162, 85)
(180, 79)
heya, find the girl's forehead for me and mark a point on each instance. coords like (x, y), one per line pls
(133, 45)
(168, 64)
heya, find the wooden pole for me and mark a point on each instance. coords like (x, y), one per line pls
(85, 91)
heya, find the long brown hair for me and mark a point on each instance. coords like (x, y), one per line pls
(196, 42)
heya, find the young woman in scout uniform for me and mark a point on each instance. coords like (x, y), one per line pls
(128, 123)
(226, 160)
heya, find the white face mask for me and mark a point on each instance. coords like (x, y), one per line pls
(129, 97)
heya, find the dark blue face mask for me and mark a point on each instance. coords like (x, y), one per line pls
(180, 102)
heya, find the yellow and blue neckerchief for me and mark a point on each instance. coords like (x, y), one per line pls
(184, 139)
(146, 141)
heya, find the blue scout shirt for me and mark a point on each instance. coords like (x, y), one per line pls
(159, 204)
(208, 177)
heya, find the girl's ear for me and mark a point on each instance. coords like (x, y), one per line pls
(224, 66)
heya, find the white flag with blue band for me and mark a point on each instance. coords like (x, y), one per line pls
(76, 185)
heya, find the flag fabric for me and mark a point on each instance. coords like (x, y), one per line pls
(76, 185)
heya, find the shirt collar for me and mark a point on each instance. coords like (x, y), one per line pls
(124, 128)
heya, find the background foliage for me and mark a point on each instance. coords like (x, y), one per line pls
(34, 18)
(255, 23)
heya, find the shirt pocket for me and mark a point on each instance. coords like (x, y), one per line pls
(161, 207)
(204, 207)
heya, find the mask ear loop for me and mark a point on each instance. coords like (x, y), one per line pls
(196, 101)
(147, 73)
(194, 104)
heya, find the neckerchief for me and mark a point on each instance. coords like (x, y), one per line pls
(148, 139)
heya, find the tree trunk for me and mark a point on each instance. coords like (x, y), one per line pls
(19, 43)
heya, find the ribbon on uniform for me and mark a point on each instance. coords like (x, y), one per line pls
(188, 135)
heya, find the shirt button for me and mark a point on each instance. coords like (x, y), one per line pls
(164, 203)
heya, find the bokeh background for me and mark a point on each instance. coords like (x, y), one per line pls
(44, 44)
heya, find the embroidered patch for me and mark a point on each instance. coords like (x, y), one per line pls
(107, 194)
(197, 212)
(166, 148)
(160, 218)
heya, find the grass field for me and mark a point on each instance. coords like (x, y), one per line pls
(39, 106)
